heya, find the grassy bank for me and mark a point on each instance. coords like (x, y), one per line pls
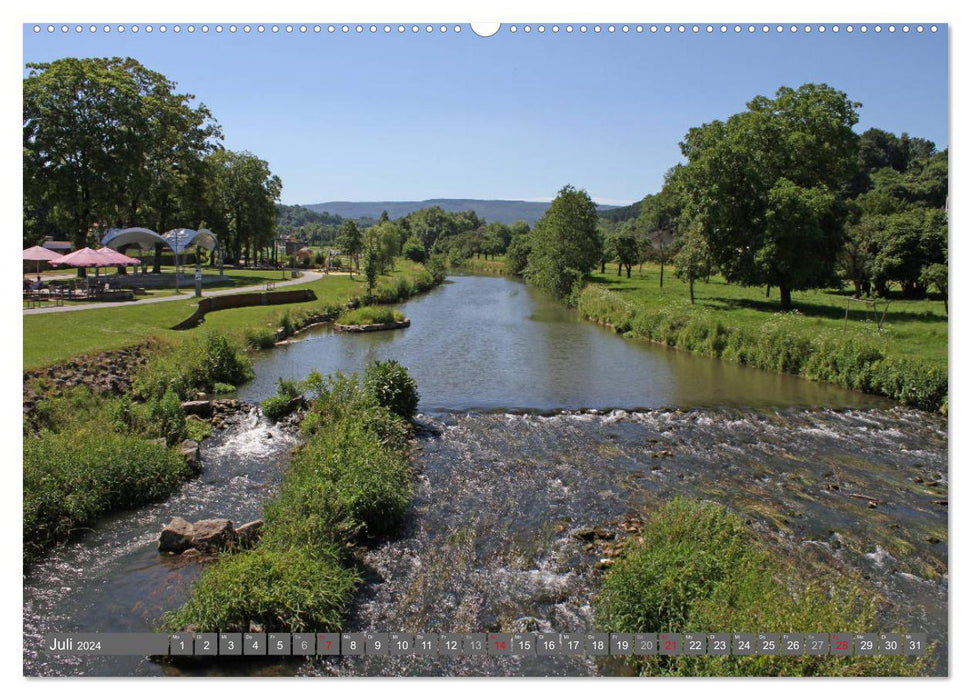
(348, 484)
(368, 315)
(87, 454)
(906, 360)
(95, 330)
(72, 478)
(481, 266)
(698, 567)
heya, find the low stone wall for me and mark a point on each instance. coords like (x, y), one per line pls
(235, 301)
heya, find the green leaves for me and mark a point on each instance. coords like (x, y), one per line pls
(106, 139)
(750, 182)
(565, 245)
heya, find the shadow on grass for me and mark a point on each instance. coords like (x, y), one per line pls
(830, 311)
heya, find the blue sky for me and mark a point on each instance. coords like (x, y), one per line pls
(513, 116)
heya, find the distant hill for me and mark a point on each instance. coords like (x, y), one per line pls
(617, 214)
(505, 211)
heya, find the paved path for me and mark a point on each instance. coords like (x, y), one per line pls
(306, 277)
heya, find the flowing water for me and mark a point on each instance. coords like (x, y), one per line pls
(113, 578)
(535, 426)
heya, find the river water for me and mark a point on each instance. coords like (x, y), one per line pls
(534, 426)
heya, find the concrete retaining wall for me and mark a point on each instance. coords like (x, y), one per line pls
(235, 301)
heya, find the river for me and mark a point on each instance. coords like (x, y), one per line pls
(535, 425)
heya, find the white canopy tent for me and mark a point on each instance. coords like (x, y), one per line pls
(177, 240)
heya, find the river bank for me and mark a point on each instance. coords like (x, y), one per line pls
(111, 430)
(94, 331)
(517, 456)
(858, 358)
(896, 348)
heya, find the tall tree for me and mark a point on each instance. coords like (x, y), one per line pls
(625, 247)
(691, 260)
(659, 218)
(108, 142)
(350, 241)
(243, 198)
(797, 150)
(565, 246)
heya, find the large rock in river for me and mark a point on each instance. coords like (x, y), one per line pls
(213, 535)
(206, 536)
(203, 409)
(176, 536)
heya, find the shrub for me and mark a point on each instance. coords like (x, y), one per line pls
(73, 477)
(259, 338)
(197, 429)
(598, 304)
(346, 478)
(194, 365)
(160, 417)
(517, 254)
(223, 388)
(414, 250)
(697, 567)
(283, 403)
(392, 387)
(280, 589)
(436, 268)
(286, 323)
(919, 384)
(370, 314)
(339, 398)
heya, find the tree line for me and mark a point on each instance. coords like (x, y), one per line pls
(109, 143)
(784, 195)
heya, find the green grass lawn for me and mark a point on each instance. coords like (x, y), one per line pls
(481, 266)
(51, 338)
(912, 329)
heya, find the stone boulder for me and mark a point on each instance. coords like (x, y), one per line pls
(213, 535)
(176, 536)
(248, 534)
(190, 451)
(206, 536)
(203, 409)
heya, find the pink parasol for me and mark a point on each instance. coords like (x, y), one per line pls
(41, 254)
(85, 257)
(113, 257)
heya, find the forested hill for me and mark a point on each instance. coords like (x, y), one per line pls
(617, 214)
(504, 211)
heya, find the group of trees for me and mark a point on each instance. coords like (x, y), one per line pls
(307, 226)
(427, 232)
(562, 248)
(783, 195)
(109, 143)
(787, 195)
(897, 222)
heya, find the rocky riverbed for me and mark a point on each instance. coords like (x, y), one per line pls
(109, 372)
